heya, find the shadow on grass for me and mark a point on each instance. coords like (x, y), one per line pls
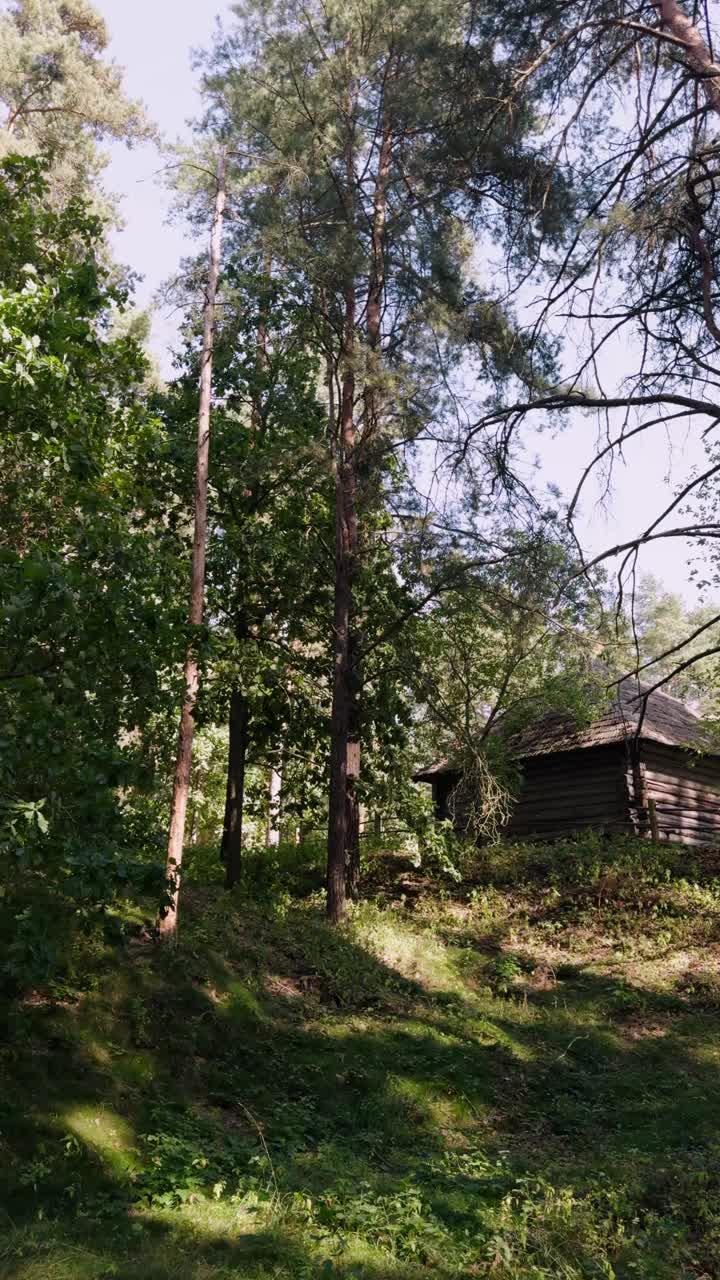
(289, 1041)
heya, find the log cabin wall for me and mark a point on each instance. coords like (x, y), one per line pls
(686, 791)
(569, 791)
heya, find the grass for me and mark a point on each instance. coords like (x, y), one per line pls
(516, 1077)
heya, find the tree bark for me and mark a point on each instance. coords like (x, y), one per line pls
(239, 712)
(344, 756)
(167, 923)
(273, 822)
(377, 277)
(343, 764)
(371, 398)
(699, 56)
(353, 841)
(352, 802)
(235, 791)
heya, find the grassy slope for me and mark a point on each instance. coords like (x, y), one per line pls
(521, 1083)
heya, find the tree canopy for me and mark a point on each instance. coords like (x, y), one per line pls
(437, 225)
(359, 734)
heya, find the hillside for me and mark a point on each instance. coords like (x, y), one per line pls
(517, 1079)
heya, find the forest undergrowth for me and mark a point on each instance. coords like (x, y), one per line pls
(513, 1075)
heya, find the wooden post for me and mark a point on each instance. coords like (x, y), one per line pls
(640, 792)
(167, 923)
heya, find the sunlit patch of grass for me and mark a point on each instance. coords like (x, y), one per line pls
(519, 1084)
(105, 1133)
(63, 1264)
(414, 953)
(206, 1219)
(239, 1001)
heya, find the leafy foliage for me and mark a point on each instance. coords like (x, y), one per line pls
(88, 621)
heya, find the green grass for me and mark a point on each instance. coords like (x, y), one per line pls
(515, 1079)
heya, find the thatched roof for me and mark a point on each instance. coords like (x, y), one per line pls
(435, 770)
(666, 720)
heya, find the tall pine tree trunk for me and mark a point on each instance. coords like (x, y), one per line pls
(239, 712)
(344, 760)
(344, 751)
(167, 923)
(235, 789)
(371, 398)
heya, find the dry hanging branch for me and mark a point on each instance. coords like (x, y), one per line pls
(479, 804)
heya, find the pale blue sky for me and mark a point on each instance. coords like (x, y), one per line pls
(153, 42)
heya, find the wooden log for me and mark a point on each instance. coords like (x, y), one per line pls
(696, 796)
(699, 788)
(572, 770)
(705, 769)
(688, 785)
(568, 824)
(577, 761)
(669, 829)
(564, 832)
(680, 822)
(573, 795)
(569, 816)
(681, 783)
(674, 805)
(691, 805)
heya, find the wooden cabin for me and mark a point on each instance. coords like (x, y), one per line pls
(648, 772)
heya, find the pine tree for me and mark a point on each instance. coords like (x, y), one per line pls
(372, 151)
(60, 94)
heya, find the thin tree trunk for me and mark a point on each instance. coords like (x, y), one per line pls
(377, 278)
(167, 923)
(353, 841)
(344, 758)
(239, 715)
(273, 822)
(374, 335)
(235, 791)
(343, 764)
(352, 834)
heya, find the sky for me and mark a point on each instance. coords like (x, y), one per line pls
(153, 42)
